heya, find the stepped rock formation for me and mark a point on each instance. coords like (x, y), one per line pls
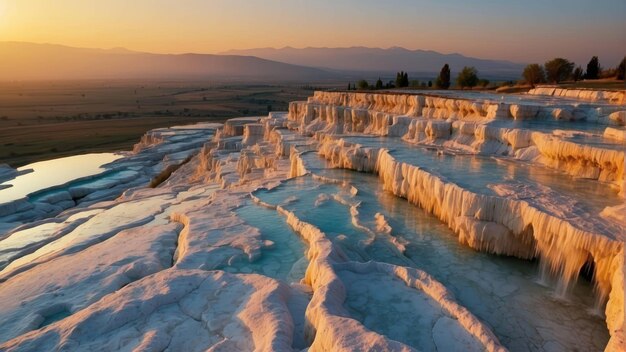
(257, 236)
(468, 124)
(613, 97)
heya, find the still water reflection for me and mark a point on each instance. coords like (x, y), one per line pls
(54, 172)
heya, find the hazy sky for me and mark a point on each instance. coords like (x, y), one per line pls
(518, 30)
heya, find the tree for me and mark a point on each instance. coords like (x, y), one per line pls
(430, 84)
(443, 81)
(621, 69)
(534, 74)
(362, 84)
(558, 69)
(379, 84)
(578, 74)
(468, 77)
(349, 86)
(593, 68)
(402, 79)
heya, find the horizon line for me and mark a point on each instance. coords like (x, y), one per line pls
(224, 52)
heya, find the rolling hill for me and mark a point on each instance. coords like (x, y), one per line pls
(30, 61)
(381, 60)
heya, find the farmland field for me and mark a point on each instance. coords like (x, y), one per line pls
(43, 120)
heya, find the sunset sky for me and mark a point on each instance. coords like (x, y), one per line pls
(523, 31)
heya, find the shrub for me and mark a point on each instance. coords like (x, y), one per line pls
(534, 74)
(414, 83)
(468, 77)
(483, 83)
(608, 73)
(558, 70)
(362, 84)
(578, 74)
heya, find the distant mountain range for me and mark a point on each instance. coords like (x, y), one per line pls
(381, 60)
(29, 61)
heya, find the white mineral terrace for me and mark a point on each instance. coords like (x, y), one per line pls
(455, 221)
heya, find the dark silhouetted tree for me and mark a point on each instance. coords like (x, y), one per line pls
(621, 69)
(349, 86)
(430, 84)
(443, 81)
(578, 74)
(468, 77)
(534, 74)
(402, 79)
(558, 70)
(379, 84)
(362, 84)
(593, 68)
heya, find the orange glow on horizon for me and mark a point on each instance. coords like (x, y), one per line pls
(162, 26)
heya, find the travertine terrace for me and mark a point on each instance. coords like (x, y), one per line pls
(446, 221)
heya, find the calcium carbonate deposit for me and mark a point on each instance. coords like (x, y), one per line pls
(446, 221)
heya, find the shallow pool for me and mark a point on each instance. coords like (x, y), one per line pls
(476, 173)
(54, 172)
(504, 292)
(284, 258)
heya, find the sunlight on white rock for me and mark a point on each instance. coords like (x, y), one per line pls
(450, 221)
